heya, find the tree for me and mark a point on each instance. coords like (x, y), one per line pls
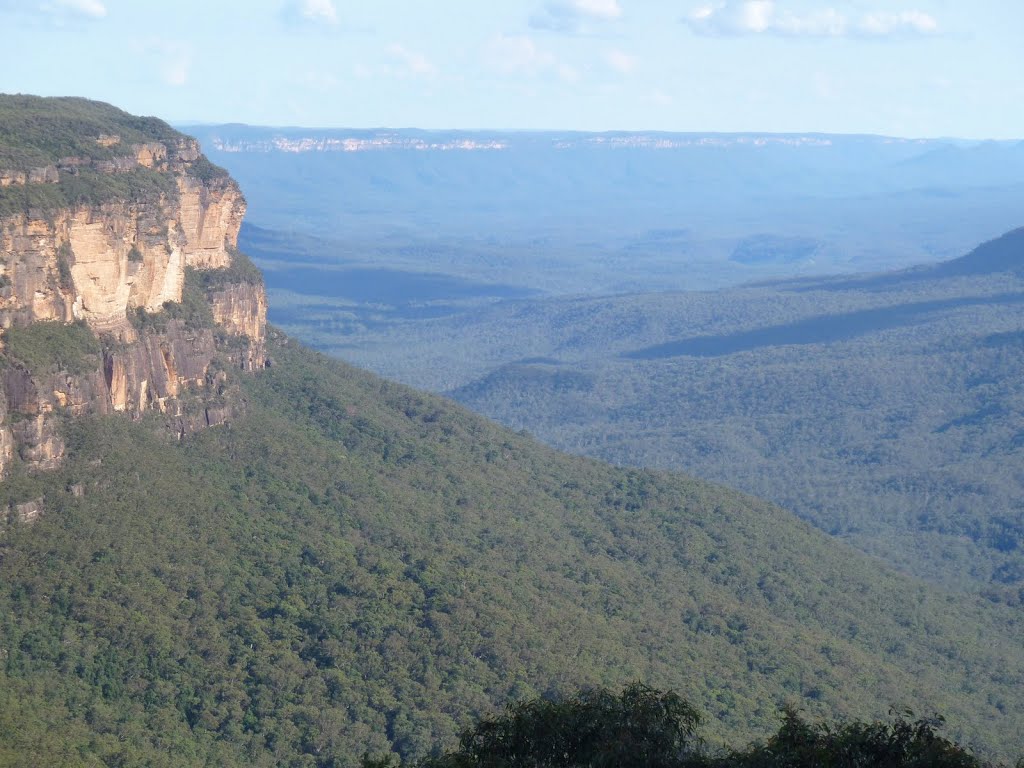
(904, 743)
(640, 727)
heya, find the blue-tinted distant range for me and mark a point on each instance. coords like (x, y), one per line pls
(547, 279)
(493, 214)
(893, 67)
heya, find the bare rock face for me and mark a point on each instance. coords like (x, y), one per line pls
(210, 217)
(156, 370)
(98, 262)
(26, 512)
(102, 263)
(6, 438)
(40, 445)
(241, 309)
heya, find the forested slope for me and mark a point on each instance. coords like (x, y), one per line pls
(356, 566)
(886, 409)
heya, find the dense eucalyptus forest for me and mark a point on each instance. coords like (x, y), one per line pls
(354, 566)
(883, 408)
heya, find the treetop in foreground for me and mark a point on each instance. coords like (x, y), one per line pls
(646, 728)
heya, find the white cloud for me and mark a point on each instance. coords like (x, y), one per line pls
(175, 71)
(599, 9)
(92, 8)
(518, 54)
(621, 62)
(575, 16)
(172, 60)
(58, 11)
(415, 64)
(311, 11)
(728, 18)
(914, 22)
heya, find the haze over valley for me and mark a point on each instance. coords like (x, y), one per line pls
(883, 407)
(577, 213)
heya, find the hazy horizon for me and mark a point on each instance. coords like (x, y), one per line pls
(912, 68)
(182, 125)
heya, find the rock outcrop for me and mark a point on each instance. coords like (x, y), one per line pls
(155, 222)
(98, 262)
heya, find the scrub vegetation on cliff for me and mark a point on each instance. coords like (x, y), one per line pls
(86, 187)
(68, 151)
(52, 347)
(38, 131)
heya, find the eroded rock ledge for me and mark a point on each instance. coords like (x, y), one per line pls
(128, 301)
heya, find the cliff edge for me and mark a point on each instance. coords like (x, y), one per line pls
(121, 286)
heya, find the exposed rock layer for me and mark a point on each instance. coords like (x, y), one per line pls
(98, 262)
(101, 263)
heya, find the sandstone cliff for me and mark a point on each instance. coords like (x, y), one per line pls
(121, 289)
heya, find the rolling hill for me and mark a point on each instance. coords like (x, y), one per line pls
(884, 408)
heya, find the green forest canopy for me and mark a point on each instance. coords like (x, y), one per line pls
(354, 566)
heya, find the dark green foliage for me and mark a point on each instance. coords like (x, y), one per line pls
(206, 171)
(87, 187)
(903, 743)
(595, 728)
(887, 410)
(355, 567)
(240, 270)
(134, 254)
(64, 277)
(645, 728)
(53, 346)
(37, 131)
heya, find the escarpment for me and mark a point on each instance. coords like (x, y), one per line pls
(121, 287)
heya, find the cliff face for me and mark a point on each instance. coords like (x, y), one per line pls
(138, 244)
(98, 261)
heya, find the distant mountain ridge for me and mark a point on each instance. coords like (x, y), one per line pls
(243, 138)
(584, 213)
(1003, 254)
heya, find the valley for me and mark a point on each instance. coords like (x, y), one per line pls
(882, 406)
(571, 213)
(886, 410)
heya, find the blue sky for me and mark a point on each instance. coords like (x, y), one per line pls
(896, 67)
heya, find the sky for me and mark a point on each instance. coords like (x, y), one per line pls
(914, 68)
